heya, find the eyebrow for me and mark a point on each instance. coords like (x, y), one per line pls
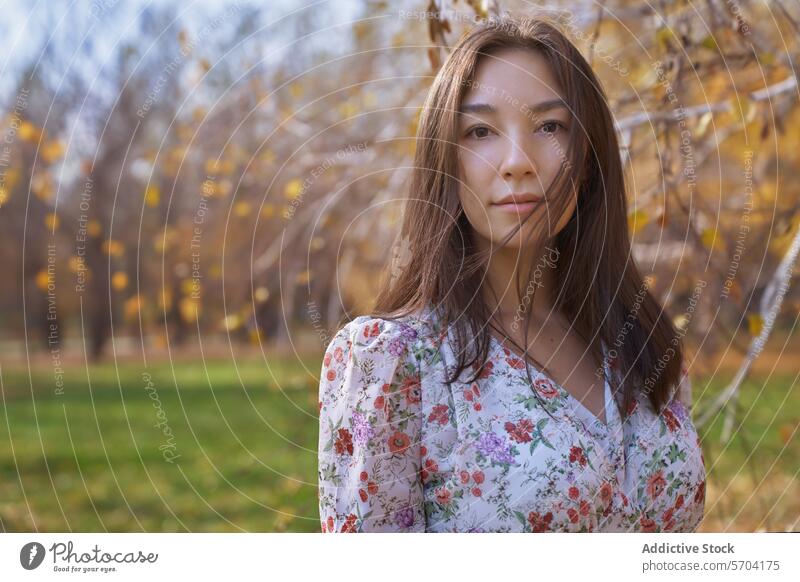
(487, 109)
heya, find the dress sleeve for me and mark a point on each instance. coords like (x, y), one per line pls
(370, 430)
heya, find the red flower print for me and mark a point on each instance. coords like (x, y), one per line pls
(464, 477)
(468, 395)
(606, 492)
(411, 389)
(423, 474)
(574, 493)
(379, 402)
(362, 494)
(679, 502)
(584, 508)
(324, 528)
(667, 514)
(349, 524)
(327, 360)
(647, 524)
(330, 523)
(344, 443)
(515, 363)
(443, 495)
(478, 477)
(699, 495)
(488, 369)
(440, 414)
(373, 331)
(431, 465)
(477, 406)
(364, 476)
(576, 455)
(538, 522)
(624, 500)
(519, 432)
(476, 491)
(386, 387)
(656, 484)
(331, 375)
(372, 487)
(670, 420)
(573, 515)
(476, 390)
(545, 387)
(337, 354)
(399, 442)
(423, 450)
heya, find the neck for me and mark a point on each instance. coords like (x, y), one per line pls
(535, 268)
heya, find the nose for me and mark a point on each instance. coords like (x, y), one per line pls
(517, 160)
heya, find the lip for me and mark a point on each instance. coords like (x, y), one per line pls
(518, 203)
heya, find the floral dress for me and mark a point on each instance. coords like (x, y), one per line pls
(401, 451)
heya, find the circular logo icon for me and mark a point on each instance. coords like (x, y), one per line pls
(31, 555)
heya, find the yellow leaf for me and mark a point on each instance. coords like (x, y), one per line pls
(152, 195)
(232, 322)
(119, 281)
(261, 294)
(51, 221)
(93, 228)
(268, 211)
(190, 309)
(241, 209)
(75, 263)
(754, 323)
(52, 150)
(348, 109)
(189, 286)
(132, 307)
(637, 220)
(42, 280)
(293, 189)
(29, 132)
(711, 239)
(296, 90)
(113, 247)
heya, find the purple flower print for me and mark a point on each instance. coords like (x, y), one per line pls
(362, 430)
(495, 447)
(396, 347)
(408, 333)
(404, 517)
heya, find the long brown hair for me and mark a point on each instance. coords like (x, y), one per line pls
(599, 289)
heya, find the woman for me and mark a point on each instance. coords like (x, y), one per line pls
(516, 375)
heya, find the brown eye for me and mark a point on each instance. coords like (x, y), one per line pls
(551, 126)
(474, 131)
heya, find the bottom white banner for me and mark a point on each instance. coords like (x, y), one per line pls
(388, 557)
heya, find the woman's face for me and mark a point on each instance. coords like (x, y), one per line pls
(512, 140)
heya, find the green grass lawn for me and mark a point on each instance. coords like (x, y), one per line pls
(89, 459)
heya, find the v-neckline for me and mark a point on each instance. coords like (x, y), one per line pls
(576, 404)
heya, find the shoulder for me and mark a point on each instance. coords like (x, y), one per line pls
(376, 336)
